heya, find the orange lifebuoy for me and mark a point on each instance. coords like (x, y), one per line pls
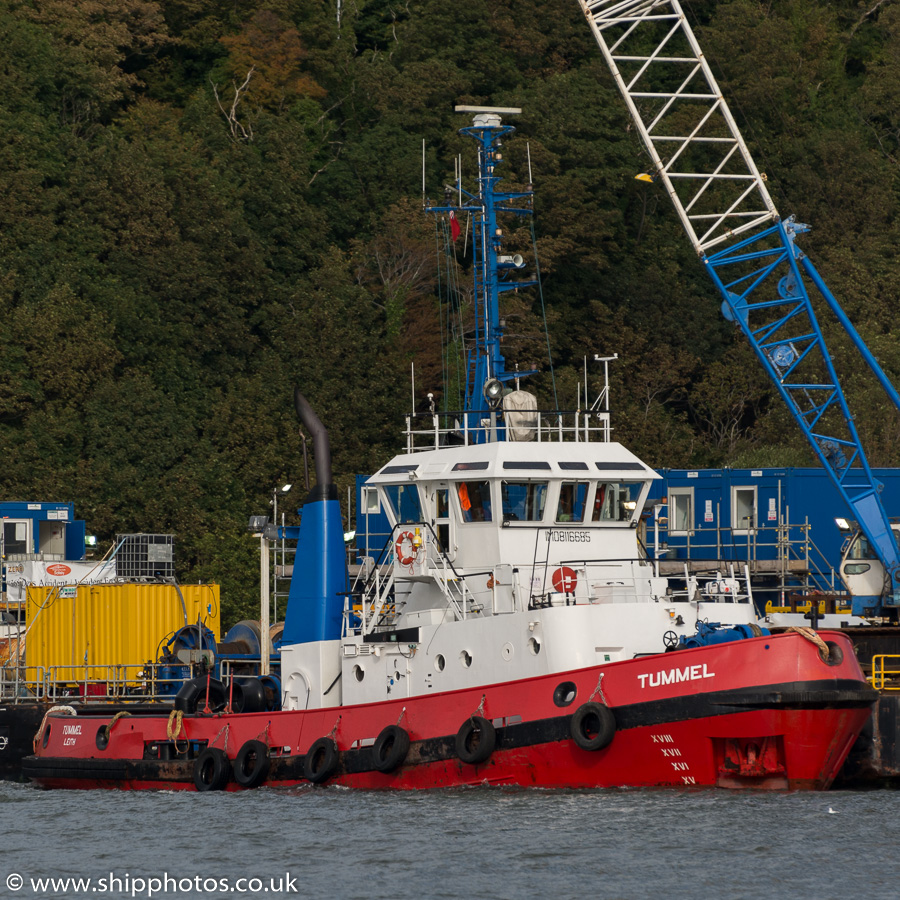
(398, 547)
(564, 580)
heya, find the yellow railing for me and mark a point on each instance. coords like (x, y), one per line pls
(842, 608)
(881, 673)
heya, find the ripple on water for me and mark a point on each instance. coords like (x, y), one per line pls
(495, 842)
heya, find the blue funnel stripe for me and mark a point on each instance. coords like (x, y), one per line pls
(319, 583)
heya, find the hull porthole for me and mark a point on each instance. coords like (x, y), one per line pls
(565, 693)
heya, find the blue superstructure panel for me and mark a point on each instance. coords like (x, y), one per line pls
(75, 537)
(373, 529)
(789, 499)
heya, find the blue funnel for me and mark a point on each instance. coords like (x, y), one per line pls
(319, 584)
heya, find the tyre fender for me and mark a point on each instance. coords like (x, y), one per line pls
(251, 765)
(212, 770)
(390, 748)
(192, 695)
(592, 726)
(321, 760)
(476, 740)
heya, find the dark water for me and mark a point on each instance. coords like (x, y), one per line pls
(469, 843)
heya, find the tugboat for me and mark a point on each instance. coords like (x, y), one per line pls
(513, 631)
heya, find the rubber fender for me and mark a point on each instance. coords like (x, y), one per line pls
(475, 740)
(390, 748)
(212, 770)
(251, 765)
(192, 695)
(321, 760)
(248, 695)
(272, 687)
(592, 726)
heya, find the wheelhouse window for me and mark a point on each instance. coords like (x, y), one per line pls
(523, 501)
(572, 501)
(615, 501)
(475, 500)
(442, 517)
(404, 502)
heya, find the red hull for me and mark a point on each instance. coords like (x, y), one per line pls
(761, 713)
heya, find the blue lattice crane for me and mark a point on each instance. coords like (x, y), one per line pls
(749, 251)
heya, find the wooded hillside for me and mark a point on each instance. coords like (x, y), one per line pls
(206, 202)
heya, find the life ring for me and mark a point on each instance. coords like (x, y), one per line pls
(398, 547)
(211, 770)
(475, 740)
(592, 726)
(390, 748)
(320, 761)
(565, 580)
(251, 765)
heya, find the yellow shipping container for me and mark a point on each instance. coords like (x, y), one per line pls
(71, 638)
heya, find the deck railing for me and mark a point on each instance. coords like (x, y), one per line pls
(884, 678)
(120, 683)
(429, 431)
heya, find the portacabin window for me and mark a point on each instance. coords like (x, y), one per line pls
(523, 501)
(681, 510)
(743, 509)
(475, 501)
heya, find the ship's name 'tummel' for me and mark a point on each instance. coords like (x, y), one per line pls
(673, 676)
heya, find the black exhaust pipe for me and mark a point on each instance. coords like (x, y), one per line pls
(325, 488)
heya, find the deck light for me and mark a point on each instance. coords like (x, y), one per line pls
(493, 391)
(258, 523)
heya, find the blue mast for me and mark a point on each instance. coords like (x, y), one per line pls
(486, 366)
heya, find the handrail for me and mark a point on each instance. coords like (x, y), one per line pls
(881, 674)
(376, 587)
(549, 425)
(699, 538)
(131, 683)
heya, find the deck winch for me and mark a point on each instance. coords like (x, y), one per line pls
(713, 633)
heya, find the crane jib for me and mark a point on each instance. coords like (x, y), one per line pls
(701, 160)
